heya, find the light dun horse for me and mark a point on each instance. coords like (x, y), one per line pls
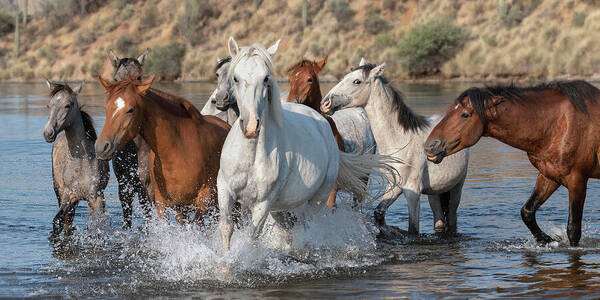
(185, 145)
(401, 133)
(76, 172)
(130, 164)
(556, 123)
(285, 153)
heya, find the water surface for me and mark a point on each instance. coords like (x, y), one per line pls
(335, 256)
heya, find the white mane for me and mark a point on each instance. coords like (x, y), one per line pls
(275, 108)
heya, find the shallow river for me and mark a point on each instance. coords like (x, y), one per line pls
(335, 256)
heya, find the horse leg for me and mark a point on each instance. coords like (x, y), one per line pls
(454, 200)
(225, 210)
(260, 212)
(414, 209)
(58, 222)
(331, 199)
(181, 216)
(126, 197)
(204, 204)
(96, 205)
(389, 198)
(544, 187)
(69, 221)
(435, 202)
(577, 192)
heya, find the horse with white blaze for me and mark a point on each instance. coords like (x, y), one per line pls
(285, 153)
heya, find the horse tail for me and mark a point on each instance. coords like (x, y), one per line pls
(355, 168)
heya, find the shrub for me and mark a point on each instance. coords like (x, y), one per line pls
(126, 46)
(384, 40)
(49, 53)
(578, 19)
(31, 61)
(491, 41)
(341, 10)
(127, 12)
(86, 37)
(7, 23)
(374, 23)
(190, 25)
(551, 34)
(149, 17)
(388, 4)
(427, 46)
(166, 61)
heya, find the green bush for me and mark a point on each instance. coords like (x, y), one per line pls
(427, 46)
(166, 61)
(7, 23)
(384, 40)
(578, 19)
(341, 11)
(86, 37)
(491, 41)
(374, 23)
(149, 17)
(189, 26)
(126, 46)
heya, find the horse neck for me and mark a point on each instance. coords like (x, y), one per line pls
(76, 137)
(314, 96)
(521, 125)
(160, 129)
(383, 120)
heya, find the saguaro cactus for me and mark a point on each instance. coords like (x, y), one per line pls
(304, 13)
(17, 18)
(25, 11)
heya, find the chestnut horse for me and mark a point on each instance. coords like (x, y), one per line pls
(186, 146)
(557, 125)
(305, 89)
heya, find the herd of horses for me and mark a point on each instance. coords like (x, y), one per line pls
(250, 152)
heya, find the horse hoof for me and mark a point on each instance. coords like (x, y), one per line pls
(544, 239)
(439, 226)
(391, 232)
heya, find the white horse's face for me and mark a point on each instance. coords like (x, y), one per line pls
(354, 89)
(251, 84)
(222, 96)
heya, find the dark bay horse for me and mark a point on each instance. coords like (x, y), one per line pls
(305, 89)
(76, 172)
(557, 125)
(130, 164)
(186, 146)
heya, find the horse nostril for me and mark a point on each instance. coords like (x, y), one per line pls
(106, 146)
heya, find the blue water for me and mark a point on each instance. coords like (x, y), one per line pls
(337, 256)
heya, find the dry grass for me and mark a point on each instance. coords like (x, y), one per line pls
(544, 45)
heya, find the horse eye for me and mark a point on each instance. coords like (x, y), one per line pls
(309, 80)
(217, 74)
(68, 106)
(266, 79)
(235, 79)
(139, 78)
(465, 115)
(356, 81)
(130, 111)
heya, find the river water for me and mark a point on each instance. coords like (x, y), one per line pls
(334, 256)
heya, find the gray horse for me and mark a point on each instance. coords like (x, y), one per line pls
(401, 133)
(76, 172)
(222, 102)
(130, 164)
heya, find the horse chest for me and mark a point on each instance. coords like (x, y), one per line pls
(77, 176)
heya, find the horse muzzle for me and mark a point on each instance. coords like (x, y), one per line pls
(104, 149)
(435, 150)
(50, 135)
(252, 129)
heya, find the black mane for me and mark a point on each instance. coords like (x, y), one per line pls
(222, 62)
(88, 124)
(366, 68)
(408, 119)
(577, 91)
(58, 87)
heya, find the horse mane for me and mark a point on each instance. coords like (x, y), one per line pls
(183, 103)
(408, 119)
(58, 87)
(576, 91)
(301, 64)
(222, 62)
(88, 124)
(275, 108)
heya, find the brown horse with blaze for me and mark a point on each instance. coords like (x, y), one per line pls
(556, 123)
(186, 146)
(305, 89)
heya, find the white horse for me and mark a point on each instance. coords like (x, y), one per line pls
(285, 153)
(401, 133)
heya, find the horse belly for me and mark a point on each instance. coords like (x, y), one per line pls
(354, 128)
(302, 184)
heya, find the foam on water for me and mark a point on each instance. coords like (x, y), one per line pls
(164, 252)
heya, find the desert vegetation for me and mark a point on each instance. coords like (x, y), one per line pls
(438, 39)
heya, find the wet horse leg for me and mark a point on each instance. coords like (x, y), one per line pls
(389, 198)
(454, 200)
(544, 187)
(203, 204)
(577, 186)
(225, 211)
(331, 199)
(436, 204)
(65, 207)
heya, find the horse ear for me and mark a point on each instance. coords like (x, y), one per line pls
(321, 64)
(114, 59)
(51, 85)
(144, 86)
(377, 71)
(273, 49)
(234, 49)
(107, 85)
(78, 88)
(142, 58)
(218, 59)
(363, 62)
